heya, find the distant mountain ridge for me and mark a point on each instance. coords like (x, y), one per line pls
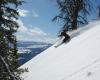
(28, 50)
(28, 43)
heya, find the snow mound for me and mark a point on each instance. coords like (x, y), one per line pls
(79, 59)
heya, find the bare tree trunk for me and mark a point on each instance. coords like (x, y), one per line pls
(99, 12)
(74, 22)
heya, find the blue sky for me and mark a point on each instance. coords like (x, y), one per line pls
(36, 21)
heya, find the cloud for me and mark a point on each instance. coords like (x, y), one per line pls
(32, 34)
(37, 32)
(22, 27)
(23, 12)
(36, 39)
(33, 31)
(49, 39)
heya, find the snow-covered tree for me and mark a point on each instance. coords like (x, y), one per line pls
(8, 48)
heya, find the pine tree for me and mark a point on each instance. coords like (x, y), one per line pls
(72, 13)
(8, 44)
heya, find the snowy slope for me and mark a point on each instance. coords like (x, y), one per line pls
(77, 60)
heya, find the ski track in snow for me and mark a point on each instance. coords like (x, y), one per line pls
(87, 68)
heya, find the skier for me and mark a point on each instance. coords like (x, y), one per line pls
(64, 38)
(65, 35)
